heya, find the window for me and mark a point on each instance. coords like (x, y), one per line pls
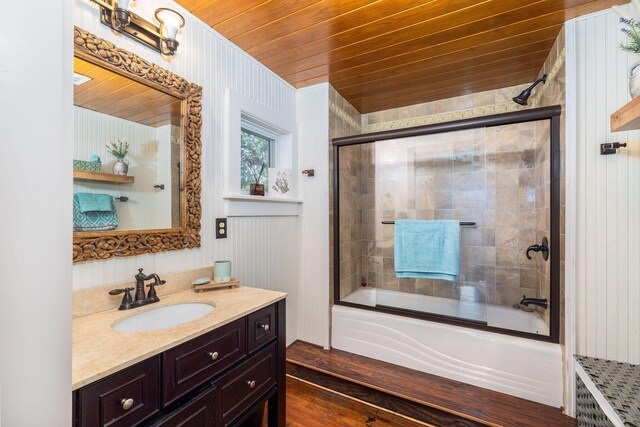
(257, 155)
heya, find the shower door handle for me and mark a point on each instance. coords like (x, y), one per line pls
(544, 248)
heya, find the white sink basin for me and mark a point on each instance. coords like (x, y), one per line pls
(163, 317)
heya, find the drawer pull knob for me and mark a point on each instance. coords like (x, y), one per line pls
(127, 404)
(251, 384)
(265, 327)
(214, 355)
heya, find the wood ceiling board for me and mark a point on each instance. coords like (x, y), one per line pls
(112, 94)
(357, 24)
(355, 43)
(218, 11)
(100, 104)
(322, 17)
(262, 15)
(385, 102)
(470, 68)
(476, 55)
(365, 35)
(513, 36)
(460, 81)
(473, 33)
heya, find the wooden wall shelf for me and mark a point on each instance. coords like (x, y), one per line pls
(627, 117)
(102, 177)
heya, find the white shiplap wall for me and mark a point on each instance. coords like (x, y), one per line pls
(264, 251)
(149, 163)
(607, 290)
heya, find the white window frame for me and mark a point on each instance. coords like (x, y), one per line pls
(243, 112)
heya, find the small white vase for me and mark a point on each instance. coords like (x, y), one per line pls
(634, 80)
(121, 167)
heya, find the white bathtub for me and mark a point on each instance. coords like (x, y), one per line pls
(520, 367)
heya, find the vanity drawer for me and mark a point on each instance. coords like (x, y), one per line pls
(198, 412)
(245, 385)
(199, 360)
(135, 388)
(262, 327)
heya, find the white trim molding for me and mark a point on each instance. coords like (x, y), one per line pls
(239, 109)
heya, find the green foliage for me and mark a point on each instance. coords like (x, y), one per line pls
(118, 150)
(255, 158)
(633, 38)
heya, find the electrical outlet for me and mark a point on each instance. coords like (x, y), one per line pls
(221, 228)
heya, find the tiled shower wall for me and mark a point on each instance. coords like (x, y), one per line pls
(553, 93)
(487, 176)
(345, 120)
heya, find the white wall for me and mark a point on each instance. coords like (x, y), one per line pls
(313, 128)
(607, 265)
(149, 163)
(35, 249)
(264, 251)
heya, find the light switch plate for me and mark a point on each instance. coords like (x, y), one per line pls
(221, 228)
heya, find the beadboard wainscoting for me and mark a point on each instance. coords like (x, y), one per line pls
(607, 271)
(264, 251)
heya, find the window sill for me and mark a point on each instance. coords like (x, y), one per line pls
(244, 205)
(265, 199)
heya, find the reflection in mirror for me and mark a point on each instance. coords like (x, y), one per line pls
(117, 117)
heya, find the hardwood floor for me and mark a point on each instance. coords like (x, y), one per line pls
(311, 406)
(469, 404)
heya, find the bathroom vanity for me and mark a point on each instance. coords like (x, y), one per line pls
(217, 370)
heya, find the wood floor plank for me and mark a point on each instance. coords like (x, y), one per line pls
(310, 406)
(472, 402)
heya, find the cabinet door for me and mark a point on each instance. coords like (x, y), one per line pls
(245, 385)
(198, 412)
(123, 399)
(191, 364)
(263, 327)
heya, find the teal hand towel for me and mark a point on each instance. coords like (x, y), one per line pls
(95, 202)
(93, 220)
(427, 249)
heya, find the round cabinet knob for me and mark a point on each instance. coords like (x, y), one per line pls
(251, 384)
(126, 404)
(213, 355)
(265, 327)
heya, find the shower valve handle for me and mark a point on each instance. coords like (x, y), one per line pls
(544, 248)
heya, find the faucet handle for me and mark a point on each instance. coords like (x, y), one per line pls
(151, 295)
(126, 299)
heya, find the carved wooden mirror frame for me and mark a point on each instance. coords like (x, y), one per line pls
(94, 246)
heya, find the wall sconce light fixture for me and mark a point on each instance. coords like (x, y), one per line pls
(116, 15)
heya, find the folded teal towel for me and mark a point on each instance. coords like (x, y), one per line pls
(427, 249)
(95, 202)
(94, 220)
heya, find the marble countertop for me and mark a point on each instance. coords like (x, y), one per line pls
(99, 351)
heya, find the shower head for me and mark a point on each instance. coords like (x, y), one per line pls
(525, 94)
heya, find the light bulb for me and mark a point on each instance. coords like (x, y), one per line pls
(123, 4)
(171, 22)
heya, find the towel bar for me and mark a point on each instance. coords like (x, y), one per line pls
(122, 198)
(462, 223)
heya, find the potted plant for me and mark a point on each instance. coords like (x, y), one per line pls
(631, 27)
(119, 151)
(257, 189)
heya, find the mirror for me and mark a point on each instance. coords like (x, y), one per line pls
(142, 191)
(136, 186)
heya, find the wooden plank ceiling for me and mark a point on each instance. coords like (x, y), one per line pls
(382, 54)
(115, 95)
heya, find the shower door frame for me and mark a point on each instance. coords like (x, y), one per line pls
(552, 114)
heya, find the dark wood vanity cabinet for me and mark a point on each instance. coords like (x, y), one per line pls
(217, 379)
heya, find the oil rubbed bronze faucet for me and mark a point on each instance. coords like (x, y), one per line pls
(140, 298)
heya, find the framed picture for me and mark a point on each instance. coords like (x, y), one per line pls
(280, 182)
